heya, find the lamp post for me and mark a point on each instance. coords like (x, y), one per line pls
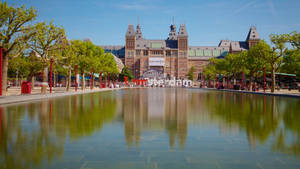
(264, 79)
(216, 81)
(1, 66)
(100, 84)
(242, 81)
(92, 79)
(51, 65)
(227, 80)
(76, 84)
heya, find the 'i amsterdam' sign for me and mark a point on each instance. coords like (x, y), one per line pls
(156, 61)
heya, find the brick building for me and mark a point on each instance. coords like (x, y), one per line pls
(172, 57)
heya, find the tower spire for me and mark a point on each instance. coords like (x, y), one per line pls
(173, 21)
(172, 34)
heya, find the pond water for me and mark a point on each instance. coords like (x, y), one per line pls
(155, 128)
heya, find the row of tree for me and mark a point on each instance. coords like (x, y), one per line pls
(283, 56)
(29, 46)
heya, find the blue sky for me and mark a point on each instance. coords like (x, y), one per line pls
(105, 21)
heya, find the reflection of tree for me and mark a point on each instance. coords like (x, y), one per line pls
(288, 139)
(35, 132)
(20, 148)
(259, 117)
(247, 112)
(92, 111)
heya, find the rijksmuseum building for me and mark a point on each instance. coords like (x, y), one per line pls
(172, 57)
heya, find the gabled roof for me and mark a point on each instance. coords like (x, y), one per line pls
(253, 35)
(238, 46)
(224, 43)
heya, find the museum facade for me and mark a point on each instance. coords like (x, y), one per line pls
(173, 57)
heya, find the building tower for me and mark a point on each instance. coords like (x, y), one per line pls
(182, 59)
(130, 41)
(138, 32)
(172, 34)
(253, 37)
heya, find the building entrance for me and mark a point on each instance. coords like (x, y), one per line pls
(154, 73)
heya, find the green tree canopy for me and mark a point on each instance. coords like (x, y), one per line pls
(15, 31)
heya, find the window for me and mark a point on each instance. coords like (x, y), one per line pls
(138, 52)
(157, 52)
(168, 53)
(174, 53)
(145, 53)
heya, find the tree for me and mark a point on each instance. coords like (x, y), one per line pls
(235, 63)
(255, 59)
(275, 58)
(191, 73)
(43, 43)
(291, 59)
(86, 58)
(67, 60)
(19, 66)
(126, 72)
(34, 66)
(294, 39)
(15, 31)
(291, 62)
(209, 70)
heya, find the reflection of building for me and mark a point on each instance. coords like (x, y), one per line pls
(173, 56)
(156, 111)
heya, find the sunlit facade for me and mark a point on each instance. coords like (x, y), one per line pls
(173, 57)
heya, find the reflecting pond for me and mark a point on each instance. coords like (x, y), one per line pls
(152, 128)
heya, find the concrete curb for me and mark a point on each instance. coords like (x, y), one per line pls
(258, 93)
(5, 100)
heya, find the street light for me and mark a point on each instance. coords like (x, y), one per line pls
(51, 64)
(1, 66)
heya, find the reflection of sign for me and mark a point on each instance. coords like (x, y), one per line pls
(156, 61)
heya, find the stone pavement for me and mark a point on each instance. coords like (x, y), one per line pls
(15, 97)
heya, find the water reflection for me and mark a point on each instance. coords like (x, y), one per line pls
(35, 134)
(262, 118)
(156, 110)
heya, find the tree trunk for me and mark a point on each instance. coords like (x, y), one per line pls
(83, 82)
(32, 82)
(273, 79)
(234, 79)
(250, 87)
(4, 73)
(45, 80)
(69, 79)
